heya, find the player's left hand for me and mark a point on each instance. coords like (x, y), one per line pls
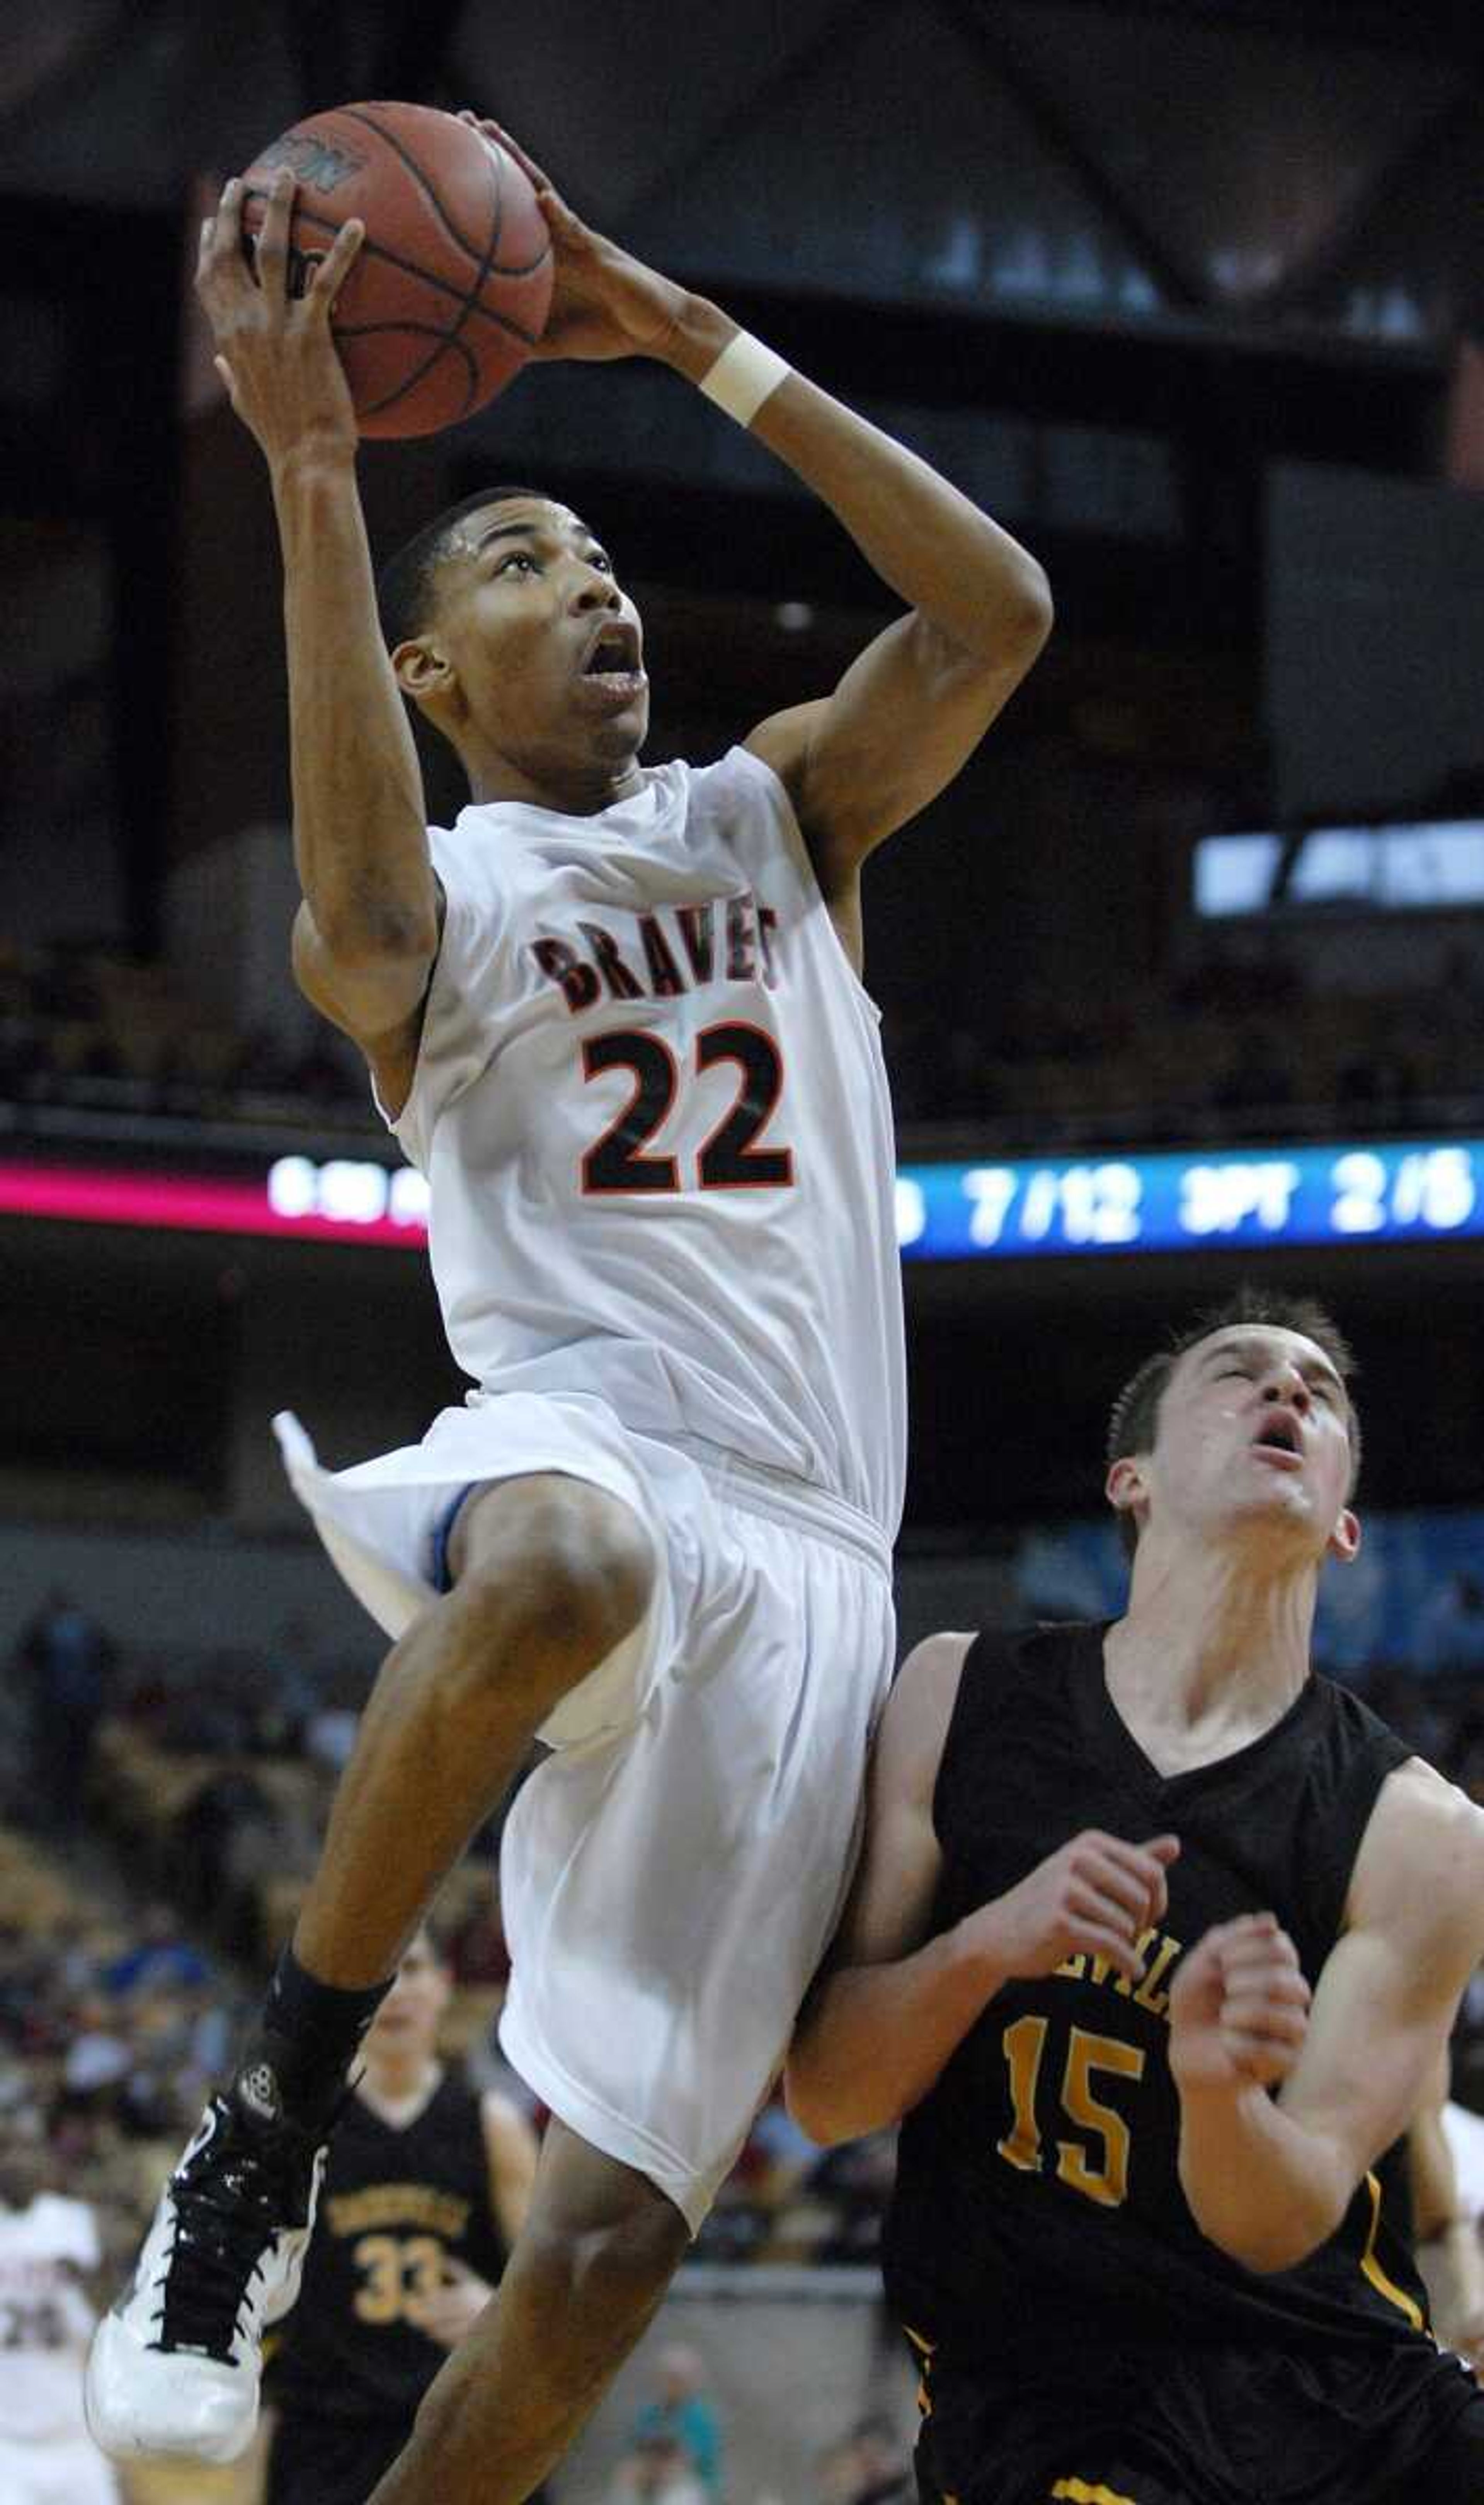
(1239, 2007)
(453, 2306)
(604, 303)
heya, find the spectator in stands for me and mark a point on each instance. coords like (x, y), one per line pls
(63, 1661)
(683, 2414)
(655, 2470)
(224, 1834)
(159, 1957)
(1451, 1633)
(97, 2058)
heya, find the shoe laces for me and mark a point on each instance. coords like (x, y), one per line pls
(232, 2202)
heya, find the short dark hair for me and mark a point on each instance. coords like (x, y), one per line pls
(1135, 1419)
(406, 582)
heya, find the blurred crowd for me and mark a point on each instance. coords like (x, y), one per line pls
(84, 1030)
(113, 2023)
(1242, 1046)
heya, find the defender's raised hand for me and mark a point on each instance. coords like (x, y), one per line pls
(1095, 1896)
(1239, 2007)
(604, 303)
(275, 351)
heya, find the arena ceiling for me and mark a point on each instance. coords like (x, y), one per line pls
(1315, 164)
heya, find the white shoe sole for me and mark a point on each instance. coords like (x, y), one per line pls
(138, 2400)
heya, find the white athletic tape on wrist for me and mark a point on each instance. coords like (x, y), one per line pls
(743, 377)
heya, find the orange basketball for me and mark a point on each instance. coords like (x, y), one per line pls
(449, 293)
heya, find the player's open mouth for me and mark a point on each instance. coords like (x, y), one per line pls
(1280, 1441)
(611, 664)
(610, 690)
(613, 653)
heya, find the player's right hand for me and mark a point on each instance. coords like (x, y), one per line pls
(275, 351)
(1095, 1895)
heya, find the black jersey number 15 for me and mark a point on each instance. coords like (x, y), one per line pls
(729, 1159)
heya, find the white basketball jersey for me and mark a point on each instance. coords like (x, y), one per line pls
(44, 2317)
(654, 1115)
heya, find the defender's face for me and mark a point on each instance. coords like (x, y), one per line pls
(407, 2020)
(1254, 1429)
(547, 651)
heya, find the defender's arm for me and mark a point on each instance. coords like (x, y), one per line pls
(884, 2013)
(891, 2007)
(1269, 2179)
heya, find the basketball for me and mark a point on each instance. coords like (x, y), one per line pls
(449, 293)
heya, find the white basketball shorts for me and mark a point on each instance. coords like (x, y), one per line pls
(671, 1875)
(67, 2470)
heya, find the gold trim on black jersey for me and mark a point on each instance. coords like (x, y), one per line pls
(924, 2349)
(1081, 2491)
(1371, 2268)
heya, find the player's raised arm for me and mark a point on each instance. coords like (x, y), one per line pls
(888, 2010)
(365, 939)
(916, 703)
(1270, 2178)
(912, 708)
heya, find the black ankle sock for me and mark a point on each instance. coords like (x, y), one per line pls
(309, 2034)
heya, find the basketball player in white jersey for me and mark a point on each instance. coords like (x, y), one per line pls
(48, 2251)
(616, 1016)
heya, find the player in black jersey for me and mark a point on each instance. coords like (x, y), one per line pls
(425, 2189)
(1136, 2238)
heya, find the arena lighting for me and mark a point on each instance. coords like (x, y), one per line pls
(1418, 867)
(1385, 1191)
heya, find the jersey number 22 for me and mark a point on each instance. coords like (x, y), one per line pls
(729, 1159)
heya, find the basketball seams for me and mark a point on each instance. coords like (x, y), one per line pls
(420, 329)
(487, 263)
(451, 338)
(372, 251)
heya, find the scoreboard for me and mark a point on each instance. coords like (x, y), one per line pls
(1384, 1191)
(1006, 1210)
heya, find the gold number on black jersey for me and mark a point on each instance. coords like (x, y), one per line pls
(1101, 2170)
(399, 2269)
